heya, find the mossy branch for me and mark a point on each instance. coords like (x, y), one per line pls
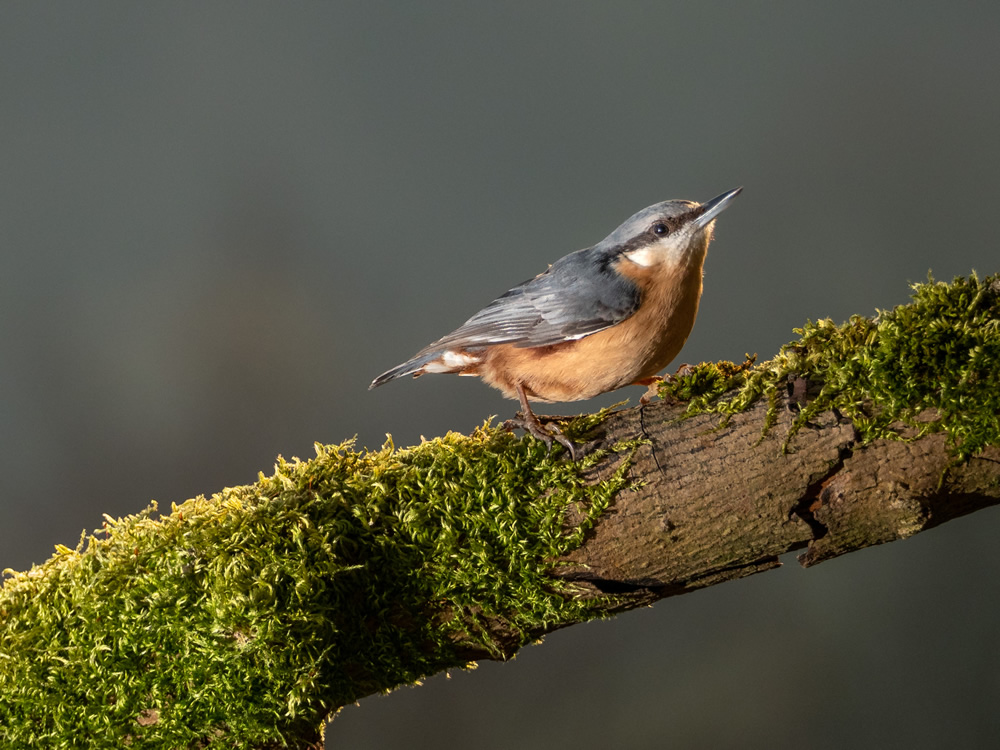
(246, 618)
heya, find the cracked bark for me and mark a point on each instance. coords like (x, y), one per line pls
(714, 505)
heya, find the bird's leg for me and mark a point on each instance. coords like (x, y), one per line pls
(528, 422)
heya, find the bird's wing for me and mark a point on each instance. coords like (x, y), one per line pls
(578, 295)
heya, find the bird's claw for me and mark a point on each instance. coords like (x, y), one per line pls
(652, 390)
(653, 384)
(547, 435)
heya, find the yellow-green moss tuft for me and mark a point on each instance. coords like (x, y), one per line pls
(937, 358)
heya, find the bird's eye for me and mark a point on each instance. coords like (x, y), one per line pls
(659, 228)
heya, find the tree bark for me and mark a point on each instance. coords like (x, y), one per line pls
(714, 504)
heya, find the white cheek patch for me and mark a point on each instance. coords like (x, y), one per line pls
(644, 256)
(449, 361)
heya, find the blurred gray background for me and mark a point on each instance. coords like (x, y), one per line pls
(219, 221)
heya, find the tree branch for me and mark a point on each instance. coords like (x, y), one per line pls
(247, 617)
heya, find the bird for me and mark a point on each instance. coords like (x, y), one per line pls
(598, 319)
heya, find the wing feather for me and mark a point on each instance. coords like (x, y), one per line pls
(577, 296)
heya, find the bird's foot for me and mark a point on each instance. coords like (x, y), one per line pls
(653, 384)
(547, 434)
(652, 389)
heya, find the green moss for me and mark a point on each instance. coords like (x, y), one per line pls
(248, 616)
(932, 365)
(702, 385)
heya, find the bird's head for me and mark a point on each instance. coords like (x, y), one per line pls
(675, 233)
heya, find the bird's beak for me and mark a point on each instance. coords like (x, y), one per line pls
(714, 207)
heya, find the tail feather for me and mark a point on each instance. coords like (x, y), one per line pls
(409, 367)
(463, 362)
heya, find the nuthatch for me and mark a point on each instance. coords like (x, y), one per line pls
(601, 318)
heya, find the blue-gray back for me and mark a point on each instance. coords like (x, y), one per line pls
(578, 295)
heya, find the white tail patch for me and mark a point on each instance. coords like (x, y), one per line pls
(450, 361)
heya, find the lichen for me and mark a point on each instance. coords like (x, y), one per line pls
(931, 365)
(244, 618)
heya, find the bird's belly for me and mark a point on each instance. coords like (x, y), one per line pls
(581, 369)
